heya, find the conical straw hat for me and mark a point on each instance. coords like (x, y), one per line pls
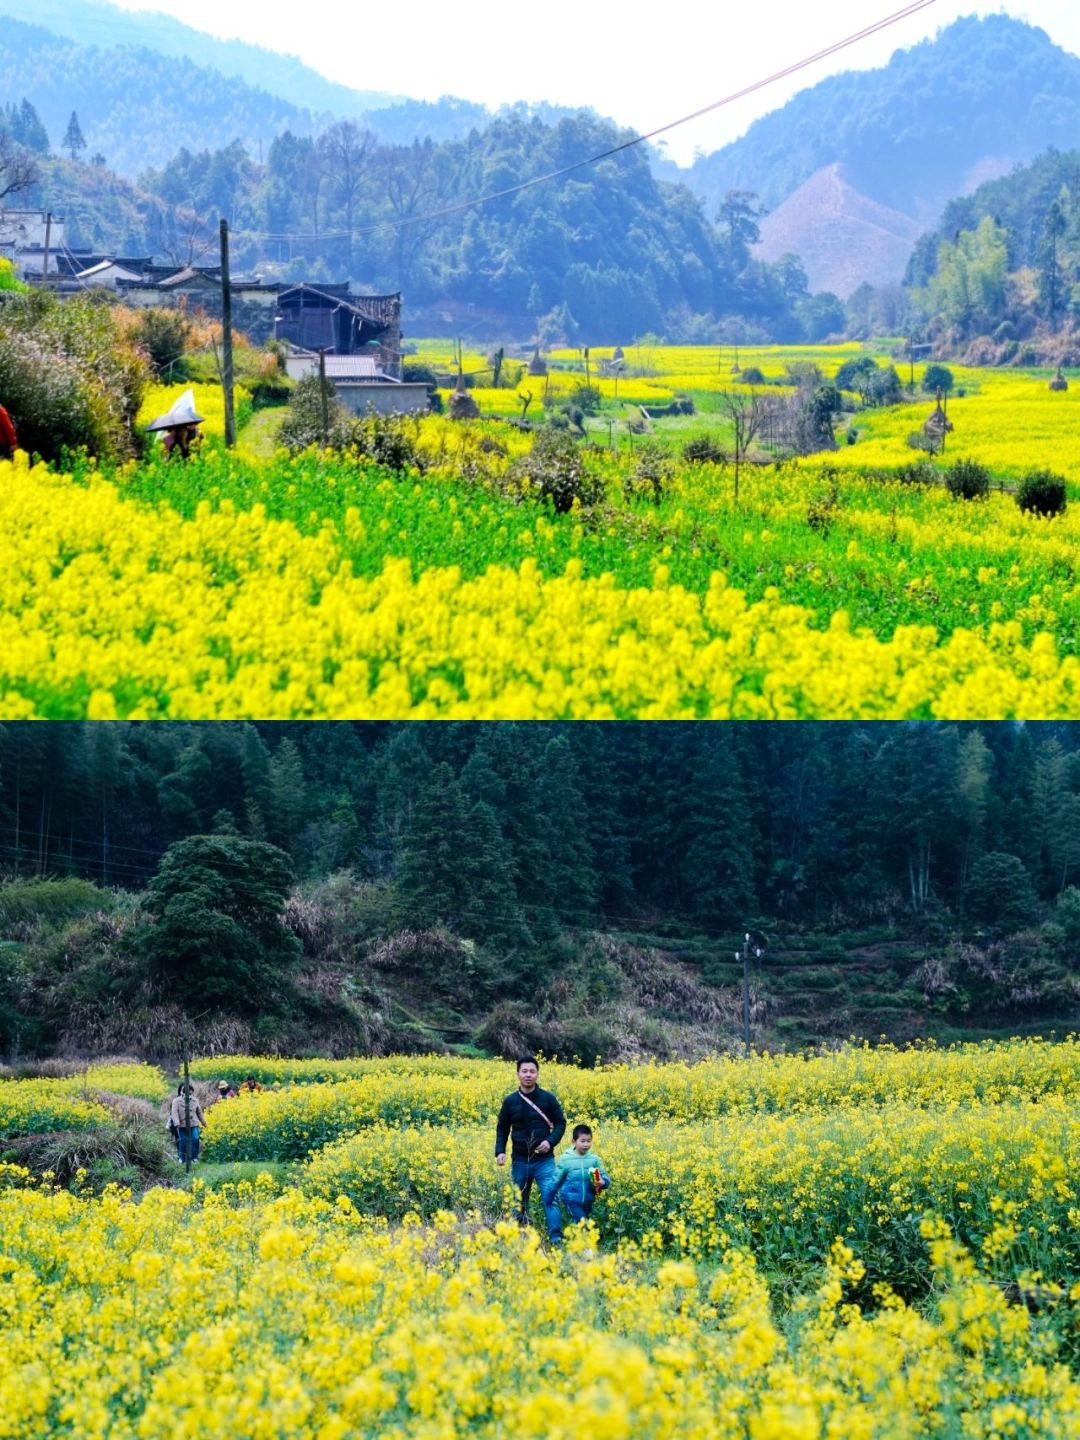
(182, 413)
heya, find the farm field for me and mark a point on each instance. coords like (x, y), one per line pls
(311, 587)
(832, 1246)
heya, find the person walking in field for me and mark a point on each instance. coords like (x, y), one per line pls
(532, 1121)
(186, 1119)
(581, 1178)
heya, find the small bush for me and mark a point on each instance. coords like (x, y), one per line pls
(555, 470)
(753, 376)
(967, 480)
(387, 440)
(652, 473)
(26, 901)
(164, 335)
(704, 450)
(586, 398)
(1042, 493)
(303, 426)
(918, 472)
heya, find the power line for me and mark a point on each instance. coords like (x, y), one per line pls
(838, 47)
(835, 49)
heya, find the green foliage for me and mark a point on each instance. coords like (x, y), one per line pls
(164, 335)
(49, 901)
(1000, 892)
(68, 377)
(652, 473)
(9, 281)
(752, 376)
(967, 290)
(556, 471)
(704, 450)
(937, 378)
(387, 440)
(217, 937)
(303, 426)
(1041, 492)
(1067, 914)
(967, 480)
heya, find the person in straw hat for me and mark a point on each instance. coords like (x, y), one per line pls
(180, 427)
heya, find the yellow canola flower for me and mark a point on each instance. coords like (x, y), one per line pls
(299, 1323)
(109, 607)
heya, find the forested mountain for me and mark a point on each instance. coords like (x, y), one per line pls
(607, 251)
(136, 107)
(942, 116)
(983, 95)
(1020, 203)
(105, 27)
(145, 86)
(713, 823)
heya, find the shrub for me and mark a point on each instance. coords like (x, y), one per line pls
(555, 470)
(652, 472)
(586, 398)
(967, 480)
(753, 376)
(23, 902)
(388, 440)
(704, 450)
(303, 426)
(917, 472)
(1042, 493)
(1000, 892)
(68, 376)
(852, 374)
(164, 335)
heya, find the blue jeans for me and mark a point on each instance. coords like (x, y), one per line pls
(187, 1140)
(542, 1173)
(576, 1208)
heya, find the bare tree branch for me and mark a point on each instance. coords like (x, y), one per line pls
(18, 168)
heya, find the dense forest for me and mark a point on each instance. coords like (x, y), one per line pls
(476, 868)
(606, 252)
(132, 80)
(916, 132)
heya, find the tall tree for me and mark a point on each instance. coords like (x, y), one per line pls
(73, 141)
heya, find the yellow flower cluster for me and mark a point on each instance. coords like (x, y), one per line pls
(209, 403)
(439, 1090)
(784, 1185)
(242, 1317)
(70, 1103)
(108, 607)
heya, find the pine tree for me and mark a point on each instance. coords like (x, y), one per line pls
(73, 141)
(491, 908)
(567, 874)
(30, 131)
(436, 868)
(719, 854)
(288, 796)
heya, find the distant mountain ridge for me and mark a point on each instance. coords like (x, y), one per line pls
(105, 26)
(914, 133)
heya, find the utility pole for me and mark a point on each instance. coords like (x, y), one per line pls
(744, 955)
(48, 241)
(323, 399)
(226, 339)
(911, 357)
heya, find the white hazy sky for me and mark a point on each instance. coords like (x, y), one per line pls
(638, 62)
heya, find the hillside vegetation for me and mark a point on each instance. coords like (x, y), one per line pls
(580, 891)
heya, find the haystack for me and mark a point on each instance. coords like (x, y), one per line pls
(537, 365)
(462, 404)
(937, 425)
(1059, 382)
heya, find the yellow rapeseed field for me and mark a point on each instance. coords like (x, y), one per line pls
(818, 1248)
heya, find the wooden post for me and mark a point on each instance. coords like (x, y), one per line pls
(48, 241)
(323, 399)
(226, 339)
(746, 996)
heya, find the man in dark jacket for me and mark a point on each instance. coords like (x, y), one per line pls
(533, 1121)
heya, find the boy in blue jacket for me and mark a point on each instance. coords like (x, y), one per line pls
(581, 1175)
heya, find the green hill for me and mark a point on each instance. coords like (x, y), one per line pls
(982, 96)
